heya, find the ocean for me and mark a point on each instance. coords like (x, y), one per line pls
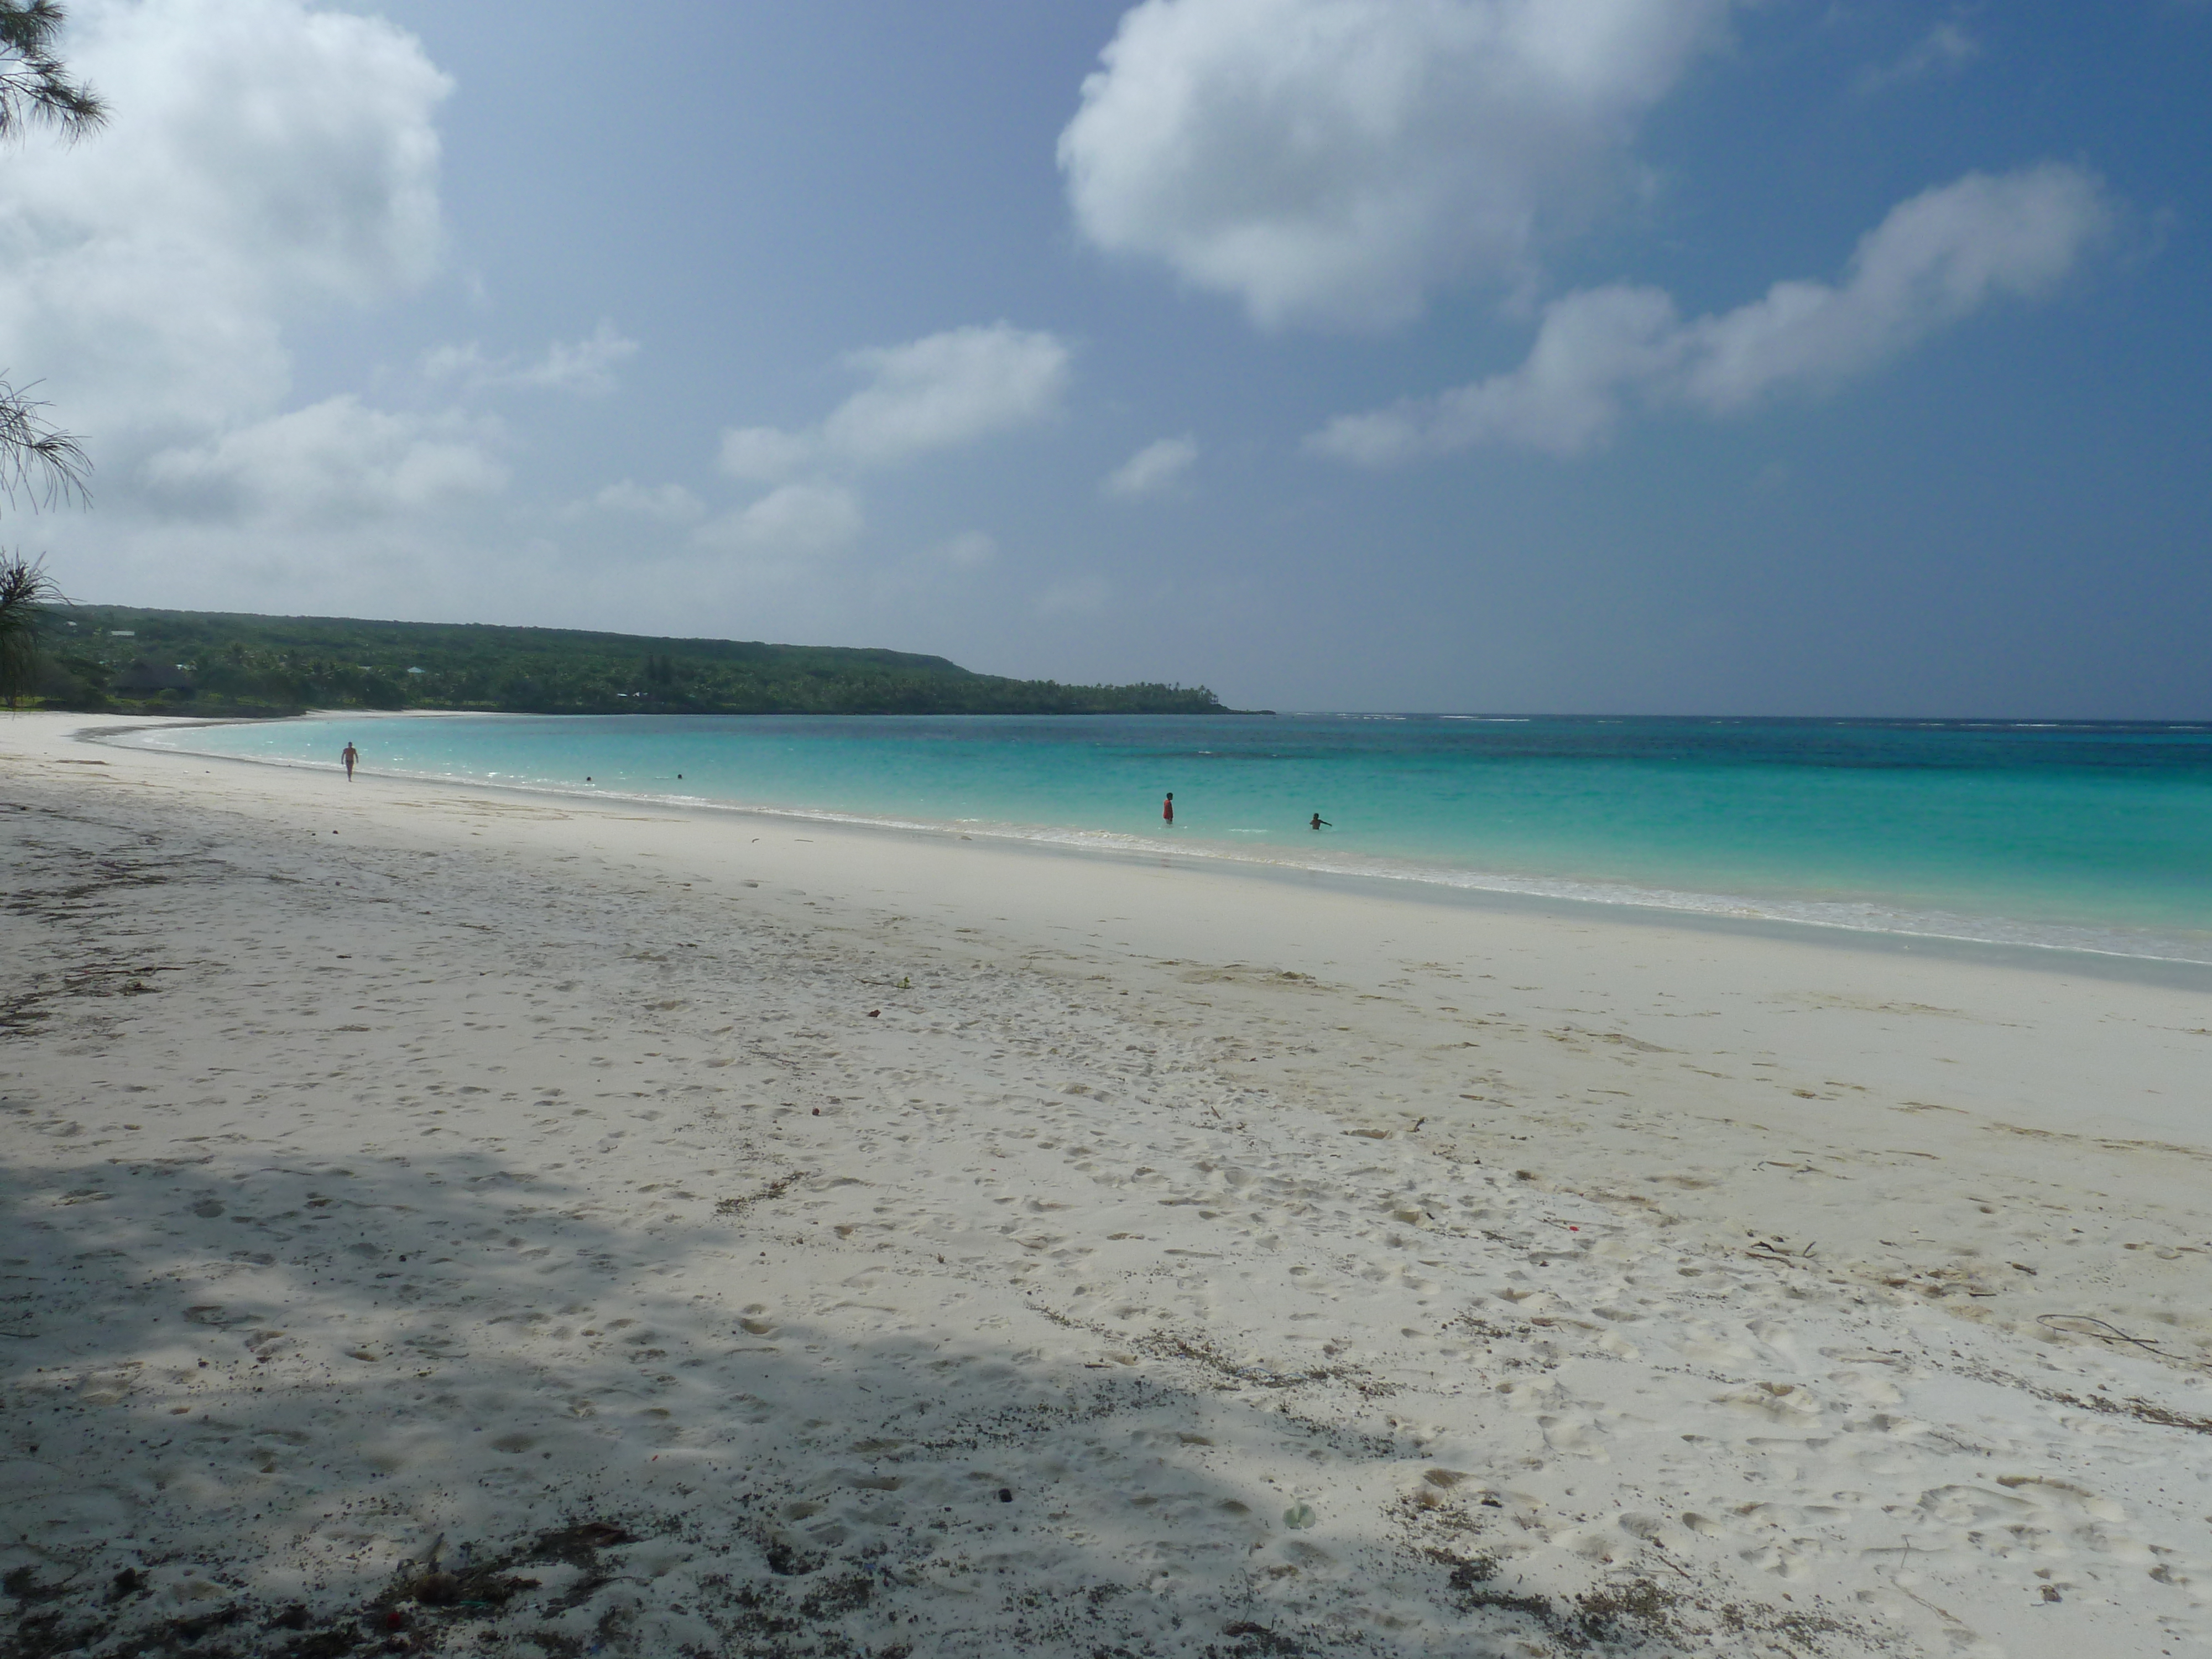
(2072, 836)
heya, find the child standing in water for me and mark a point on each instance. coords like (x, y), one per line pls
(1167, 811)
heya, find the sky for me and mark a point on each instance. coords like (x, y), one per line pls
(1637, 356)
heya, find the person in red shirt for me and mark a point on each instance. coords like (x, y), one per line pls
(1167, 810)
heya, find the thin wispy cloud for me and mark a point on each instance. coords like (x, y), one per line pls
(670, 503)
(971, 550)
(792, 525)
(1601, 353)
(1946, 48)
(1079, 596)
(943, 391)
(585, 366)
(1155, 470)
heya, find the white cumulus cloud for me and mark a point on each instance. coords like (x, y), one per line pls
(262, 162)
(1156, 468)
(1598, 353)
(942, 391)
(946, 391)
(1336, 161)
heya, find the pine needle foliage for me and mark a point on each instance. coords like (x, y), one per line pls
(37, 462)
(35, 87)
(26, 593)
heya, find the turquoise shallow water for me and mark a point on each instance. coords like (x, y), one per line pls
(2091, 837)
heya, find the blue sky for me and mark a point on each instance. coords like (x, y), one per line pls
(1632, 355)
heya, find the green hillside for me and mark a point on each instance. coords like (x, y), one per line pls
(119, 656)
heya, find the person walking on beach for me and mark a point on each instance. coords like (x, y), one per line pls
(1320, 823)
(1167, 810)
(350, 757)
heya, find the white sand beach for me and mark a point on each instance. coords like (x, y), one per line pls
(447, 1220)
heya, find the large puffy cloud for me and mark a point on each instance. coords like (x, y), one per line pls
(939, 392)
(1334, 160)
(264, 162)
(1934, 260)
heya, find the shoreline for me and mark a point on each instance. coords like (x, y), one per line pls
(402, 1169)
(1619, 902)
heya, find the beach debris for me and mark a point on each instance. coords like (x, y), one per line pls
(875, 1013)
(579, 1544)
(774, 1189)
(1299, 1517)
(23, 1583)
(1775, 1249)
(2104, 1331)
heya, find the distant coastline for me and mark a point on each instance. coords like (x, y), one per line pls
(128, 660)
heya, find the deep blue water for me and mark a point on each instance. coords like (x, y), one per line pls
(2091, 835)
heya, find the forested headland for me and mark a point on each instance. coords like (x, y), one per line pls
(196, 662)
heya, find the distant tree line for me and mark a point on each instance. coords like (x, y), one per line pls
(114, 658)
